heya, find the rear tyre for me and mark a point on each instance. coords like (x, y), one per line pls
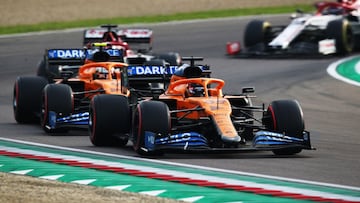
(155, 62)
(110, 119)
(172, 58)
(47, 71)
(257, 34)
(286, 117)
(341, 31)
(59, 99)
(150, 116)
(41, 69)
(27, 98)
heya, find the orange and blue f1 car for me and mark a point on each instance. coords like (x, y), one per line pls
(59, 96)
(193, 114)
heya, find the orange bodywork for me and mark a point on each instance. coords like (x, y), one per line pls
(212, 102)
(110, 82)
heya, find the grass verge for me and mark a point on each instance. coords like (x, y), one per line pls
(153, 19)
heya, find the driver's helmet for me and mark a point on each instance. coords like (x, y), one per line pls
(101, 73)
(333, 11)
(195, 90)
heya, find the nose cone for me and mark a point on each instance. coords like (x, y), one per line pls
(230, 139)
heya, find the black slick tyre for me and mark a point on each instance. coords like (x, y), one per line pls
(59, 99)
(257, 33)
(286, 117)
(110, 120)
(46, 70)
(27, 98)
(150, 116)
(172, 58)
(341, 31)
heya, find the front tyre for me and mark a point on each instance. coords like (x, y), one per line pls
(57, 98)
(152, 116)
(286, 117)
(109, 122)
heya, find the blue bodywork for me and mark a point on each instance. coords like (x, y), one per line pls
(267, 138)
(193, 141)
(79, 119)
(184, 141)
(64, 54)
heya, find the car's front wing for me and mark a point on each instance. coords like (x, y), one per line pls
(192, 142)
(78, 120)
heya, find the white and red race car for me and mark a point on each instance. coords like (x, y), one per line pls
(333, 29)
(136, 44)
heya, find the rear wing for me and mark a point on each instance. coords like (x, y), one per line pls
(65, 56)
(131, 36)
(58, 61)
(78, 56)
(153, 74)
(95, 35)
(150, 74)
(100, 55)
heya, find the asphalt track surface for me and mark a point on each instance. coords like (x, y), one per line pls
(331, 107)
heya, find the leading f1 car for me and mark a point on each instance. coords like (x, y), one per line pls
(193, 114)
(334, 29)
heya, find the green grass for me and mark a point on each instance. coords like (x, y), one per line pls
(151, 19)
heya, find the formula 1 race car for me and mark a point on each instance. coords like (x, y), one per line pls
(135, 42)
(63, 103)
(67, 96)
(194, 115)
(333, 29)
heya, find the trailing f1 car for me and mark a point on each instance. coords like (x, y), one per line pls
(63, 102)
(333, 29)
(193, 114)
(135, 42)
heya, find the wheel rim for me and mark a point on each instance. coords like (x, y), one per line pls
(348, 37)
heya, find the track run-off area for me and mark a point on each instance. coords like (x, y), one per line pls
(175, 181)
(347, 70)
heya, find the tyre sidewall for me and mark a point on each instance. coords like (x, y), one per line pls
(150, 116)
(59, 99)
(110, 117)
(286, 117)
(27, 98)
